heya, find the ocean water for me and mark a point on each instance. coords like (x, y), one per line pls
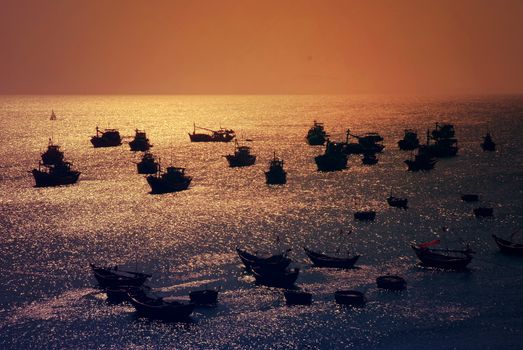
(186, 240)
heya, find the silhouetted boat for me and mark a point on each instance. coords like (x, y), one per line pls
(323, 260)
(488, 144)
(119, 294)
(445, 145)
(334, 159)
(53, 116)
(508, 247)
(221, 135)
(242, 156)
(275, 262)
(297, 297)
(275, 278)
(350, 297)
(422, 161)
(140, 141)
(483, 212)
(391, 282)
(113, 277)
(148, 164)
(397, 202)
(367, 215)
(159, 308)
(369, 158)
(55, 175)
(410, 140)
(52, 155)
(204, 297)
(172, 180)
(316, 135)
(469, 197)
(442, 258)
(106, 138)
(276, 174)
(368, 143)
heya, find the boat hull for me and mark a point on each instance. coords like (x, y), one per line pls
(322, 260)
(137, 146)
(508, 247)
(235, 162)
(326, 162)
(159, 186)
(293, 297)
(275, 178)
(98, 142)
(164, 311)
(210, 138)
(441, 261)
(278, 279)
(350, 297)
(44, 179)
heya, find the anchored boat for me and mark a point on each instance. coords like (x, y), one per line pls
(220, 135)
(106, 138)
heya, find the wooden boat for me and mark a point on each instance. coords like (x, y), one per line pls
(367, 215)
(421, 162)
(55, 175)
(275, 278)
(350, 297)
(221, 135)
(508, 247)
(334, 159)
(159, 308)
(488, 144)
(148, 164)
(106, 138)
(242, 157)
(397, 202)
(173, 180)
(445, 145)
(297, 297)
(204, 297)
(469, 197)
(119, 294)
(140, 142)
(483, 212)
(368, 143)
(448, 259)
(322, 260)
(391, 282)
(53, 116)
(113, 277)
(276, 262)
(316, 136)
(276, 175)
(410, 141)
(52, 155)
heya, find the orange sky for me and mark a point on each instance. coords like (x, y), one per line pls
(260, 47)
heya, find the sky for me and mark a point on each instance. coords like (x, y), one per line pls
(261, 47)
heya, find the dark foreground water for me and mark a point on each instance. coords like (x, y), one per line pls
(186, 240)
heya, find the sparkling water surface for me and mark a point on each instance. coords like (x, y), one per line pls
(186, 240)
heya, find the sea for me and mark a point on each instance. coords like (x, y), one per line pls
(187, 240)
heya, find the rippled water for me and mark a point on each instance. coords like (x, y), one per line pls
(187, 239)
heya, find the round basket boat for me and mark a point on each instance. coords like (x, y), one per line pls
(350, 297)
(294, 297)
(391, 282)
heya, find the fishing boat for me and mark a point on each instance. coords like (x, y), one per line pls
(334, 159)
(140, 141)
(421, 162)
(55, 175)
(276, 174)
(391, 282)
(160, 308)
(297, 297)
(242, 157)
(323, 260)
(120, 294)
(278, 261)
(397, 202)
(444, 145)
(275, 278)
(350, 297)
(469, 197)
(368, 143)
(172, 180)
(220, 135)
(52, 155)
(410, 140)
(488, 144)
(481, 212)
(106, 138)
(148, 164)
(449, 259)
(204, 297)
(316, 136)
(369, 158)
(366, 215)
(114, 277)
(508, 247)
(53, 116)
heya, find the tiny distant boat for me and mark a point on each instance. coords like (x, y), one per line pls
(367, 215)
(276, 175)
(275, 262)
(52, 155)
(140, 141)
(53, 116)
(334, 159)
(275, 278)
(172, 180)
(106, 138)
(483, 212)
(148, 164)
(323, 260)
(421, 162)
(449, 259)
(488, 144)
(55, 175)
(369, 158)
(297, 297)
(397, 202)
(221, 135)
(469, 197)
(159, 308)
(508, 247)
(316, 136)
(114, 277)
(410, 141)
(350, 297)
(204, 297)
(242, 157)
(391, 282)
